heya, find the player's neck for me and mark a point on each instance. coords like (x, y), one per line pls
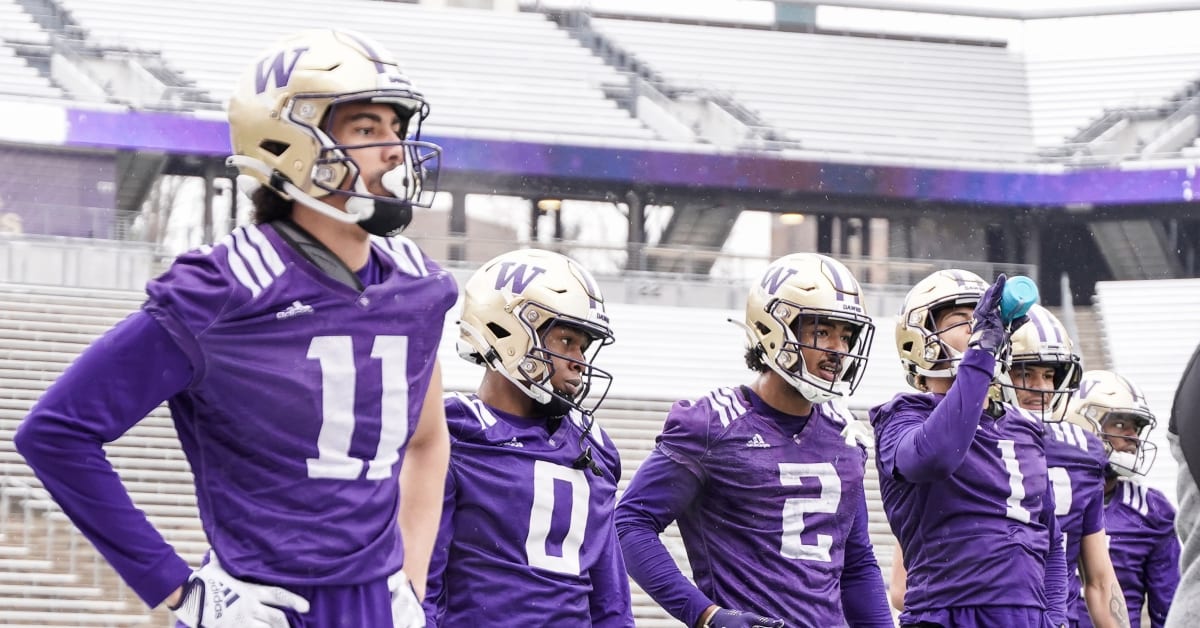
(497, 392)
(779, 394)
(1110, 486)
(347, 241)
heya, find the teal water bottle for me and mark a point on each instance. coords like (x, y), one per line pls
(1020, 294)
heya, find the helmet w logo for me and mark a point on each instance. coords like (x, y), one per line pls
(775, 277)
(277, 69)
(516, 276)
(1085, 387)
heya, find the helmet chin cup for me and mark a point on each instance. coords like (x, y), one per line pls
(1123, 462)
(812, 393)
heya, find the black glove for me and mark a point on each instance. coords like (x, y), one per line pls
(725, 618)
(989, 333)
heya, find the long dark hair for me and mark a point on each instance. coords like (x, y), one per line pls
(269, 206)
(754, 359)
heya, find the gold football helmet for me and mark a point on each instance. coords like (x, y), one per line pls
(922, 351)
(1115, 408)
(1043, 341)
(277, 123)
(512, 301)
(800, 288)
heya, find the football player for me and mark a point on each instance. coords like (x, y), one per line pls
(1140, 520)
(766, 480)
(1045, 372)
(298, 356)
(963, 477)
(526, 536)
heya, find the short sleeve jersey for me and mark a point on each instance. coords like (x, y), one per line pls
(305, 392)
(1076, 458)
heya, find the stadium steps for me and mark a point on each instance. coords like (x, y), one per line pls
(37, 589)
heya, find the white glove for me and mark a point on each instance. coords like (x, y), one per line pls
(406, 608)
(214, 599)
(858, 432)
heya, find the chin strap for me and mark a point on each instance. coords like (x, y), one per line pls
(585, 460)
(289, 188)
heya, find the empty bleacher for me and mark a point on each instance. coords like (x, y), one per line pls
(494, 73)
(1065, 95)
(1151, 331)
(17, 77)
(850, 94)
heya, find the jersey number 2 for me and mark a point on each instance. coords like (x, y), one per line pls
(829, 493)
(338, 380)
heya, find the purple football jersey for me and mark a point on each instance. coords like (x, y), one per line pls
(1144, 550)
(526, 539)
(304, 394)
(769, 530)
(975, 538)
(1076, 458)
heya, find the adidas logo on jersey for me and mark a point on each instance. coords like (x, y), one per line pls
(757, 442)
(295, 309)
(513, 443)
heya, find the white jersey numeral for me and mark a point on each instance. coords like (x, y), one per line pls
(545, 474)
(338, 381)
(829, 494)
(1016, 481)
(1063, 494)
(1060, 481)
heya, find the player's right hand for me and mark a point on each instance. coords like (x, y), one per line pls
(988, 332)
(214, 599)
(725, 618)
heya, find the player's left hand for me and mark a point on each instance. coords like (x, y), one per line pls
(988, 330)
(406, 607)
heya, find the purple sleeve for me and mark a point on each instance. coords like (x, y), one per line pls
(1093, 512)
(921, 449)
(864, 599)
(660, 490)
(190, 296)
(435, 583)
(116, 382)
(1161, 571)
(610, 601)
(684, 438)
(1056, 562)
